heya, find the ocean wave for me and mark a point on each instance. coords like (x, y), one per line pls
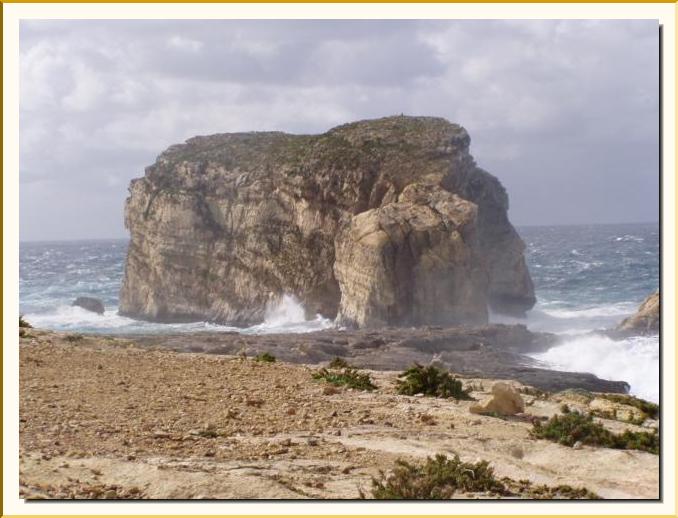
(552, 317)
(286, 317)
(629, 237)
(610, 310)
(634, 360)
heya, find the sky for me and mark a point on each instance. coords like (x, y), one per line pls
(564, 112)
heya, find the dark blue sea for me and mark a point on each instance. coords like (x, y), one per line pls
(586, 277)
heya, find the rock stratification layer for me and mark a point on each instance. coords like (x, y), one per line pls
(381, 222)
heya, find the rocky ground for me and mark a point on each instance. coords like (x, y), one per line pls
(107, 418)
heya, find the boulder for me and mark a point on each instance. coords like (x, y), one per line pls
(646, 319)
(90, 304)
(385, 222)
(505, 400)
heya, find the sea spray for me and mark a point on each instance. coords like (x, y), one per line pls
(561, 317)
(634, 360)
(287, 315)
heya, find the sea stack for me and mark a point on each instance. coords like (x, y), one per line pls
(385, 222)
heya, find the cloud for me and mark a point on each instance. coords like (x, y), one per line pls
(184, 44)
(557, 109)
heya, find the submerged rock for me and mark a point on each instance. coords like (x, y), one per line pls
(90, 304)
(646, 319)
(381, 222)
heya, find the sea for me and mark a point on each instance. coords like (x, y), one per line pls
(586, 277)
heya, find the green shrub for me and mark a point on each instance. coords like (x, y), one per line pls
(73, 338)
(349, 377)
(338, 363)
(23, 323)
(430, 381)
(526, 489)
(646, 407)
(440, 478)
(265, 357)
(574, 427)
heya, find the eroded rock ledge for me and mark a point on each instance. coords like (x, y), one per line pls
(382, 222)
(493, 351)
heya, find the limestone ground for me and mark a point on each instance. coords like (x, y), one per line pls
(102, 418)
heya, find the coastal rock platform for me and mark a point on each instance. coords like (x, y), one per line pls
(105, 417)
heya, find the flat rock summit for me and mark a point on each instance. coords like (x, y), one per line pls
(385, 222)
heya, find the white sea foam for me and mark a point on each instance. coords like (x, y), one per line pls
(628, 237)
(554, 318)
(634, 360)
(287, 316)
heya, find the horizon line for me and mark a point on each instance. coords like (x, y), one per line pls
(75, 239)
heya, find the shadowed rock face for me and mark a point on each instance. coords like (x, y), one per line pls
(383, 222)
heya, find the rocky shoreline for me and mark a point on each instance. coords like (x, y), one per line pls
(107, 417)
(491, 351)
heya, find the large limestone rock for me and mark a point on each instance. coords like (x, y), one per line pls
(505, 400)
(646, 319)
(383, 222)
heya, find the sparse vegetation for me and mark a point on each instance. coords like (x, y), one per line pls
(651, 410)
(73, 338)
(440, 478)
(349, 377)
(526, 489)
(574, 427)
(531, 391)
(339, 363)
(430, 381)
(23, 323)
(265, 357)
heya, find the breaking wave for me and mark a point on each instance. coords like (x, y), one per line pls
(634, 360)
(287, 316)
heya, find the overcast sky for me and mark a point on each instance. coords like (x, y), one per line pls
(564, 113)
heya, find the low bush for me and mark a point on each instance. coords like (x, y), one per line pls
(526, 489)
(23, 323)
(574, 427)
(651, 410)
(265, 357)
(430, 381)
(440, 478)
(349, 377)
(338, 363)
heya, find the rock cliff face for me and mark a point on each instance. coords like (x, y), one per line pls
(382, 222)
(646, 319)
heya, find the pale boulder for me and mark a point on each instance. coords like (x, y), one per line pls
(505, 400)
